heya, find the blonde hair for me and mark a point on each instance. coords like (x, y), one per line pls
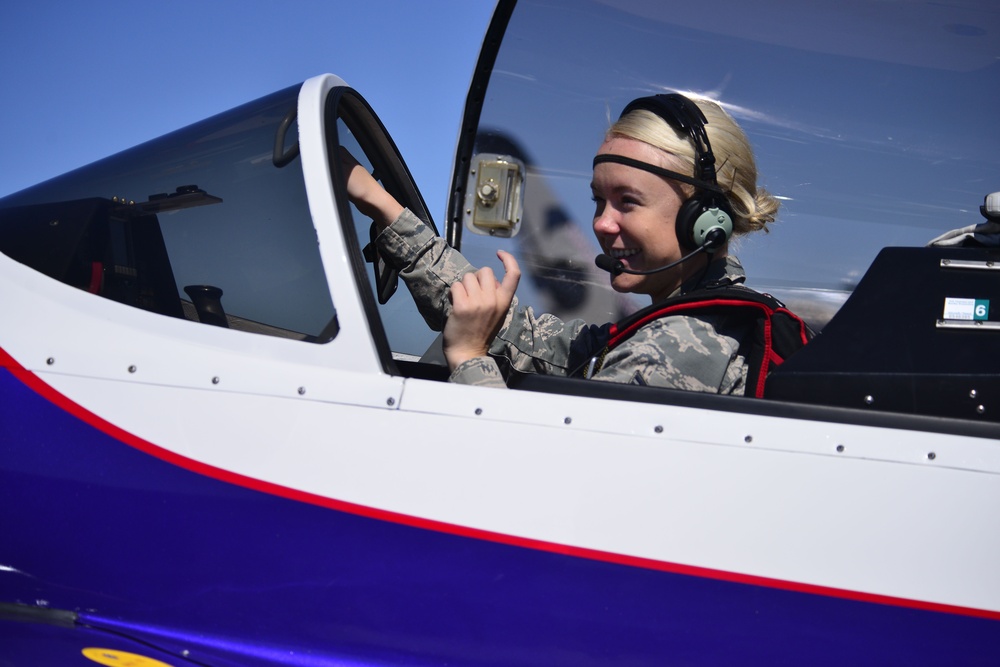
(736, 170)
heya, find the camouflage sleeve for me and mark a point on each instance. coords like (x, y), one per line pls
(481, 371)
(546, 344)
(681, 352)
(426, 263)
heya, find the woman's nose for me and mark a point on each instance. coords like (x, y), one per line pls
(605, 222)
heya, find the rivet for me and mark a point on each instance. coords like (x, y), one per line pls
(302, 391)
(869, 399)
(185, 653)
(568, 420)
(53, 223)
(658, 429)
(215, 380)
(840, 448)
(131, 369)
(390, 401)
(972, 394)
(479, 411)
(748, 439)
(981, 409)
(931, 456)
(50, 361)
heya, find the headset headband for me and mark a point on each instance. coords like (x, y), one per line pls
(659, 171)
(682, 114)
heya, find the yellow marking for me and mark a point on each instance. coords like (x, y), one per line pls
(112, 658)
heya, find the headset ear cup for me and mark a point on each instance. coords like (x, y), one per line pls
(697, 217)
(688, 213)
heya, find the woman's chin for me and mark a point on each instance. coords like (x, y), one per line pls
(626, 283)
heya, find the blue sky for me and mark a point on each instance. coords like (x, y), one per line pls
(85, 80)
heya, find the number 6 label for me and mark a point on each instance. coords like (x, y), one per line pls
(966, 309)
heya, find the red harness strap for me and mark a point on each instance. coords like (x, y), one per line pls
(760, 350)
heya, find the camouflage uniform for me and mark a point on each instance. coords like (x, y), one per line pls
(684, 352)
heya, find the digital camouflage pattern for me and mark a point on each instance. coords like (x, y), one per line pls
(683, 352)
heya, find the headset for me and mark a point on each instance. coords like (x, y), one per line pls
(705, 220)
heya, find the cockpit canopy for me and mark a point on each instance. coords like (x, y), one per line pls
(873, 122)
(209, 223)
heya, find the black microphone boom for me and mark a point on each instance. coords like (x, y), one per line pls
(616, 267)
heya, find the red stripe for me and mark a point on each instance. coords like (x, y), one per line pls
(803, 336)
(764, 366)
(36, 384)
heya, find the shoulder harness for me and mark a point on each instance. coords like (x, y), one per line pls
(774, 335)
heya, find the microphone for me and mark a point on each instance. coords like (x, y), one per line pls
(609, 264)
(617, 267)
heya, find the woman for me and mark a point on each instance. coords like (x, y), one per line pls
(647, 217)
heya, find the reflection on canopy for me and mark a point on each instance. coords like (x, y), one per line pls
(871, 121)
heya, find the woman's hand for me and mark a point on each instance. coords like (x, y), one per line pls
(368, 194)
(479, 306)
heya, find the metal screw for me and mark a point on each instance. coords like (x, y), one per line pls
(981, 409)
(390, 401)
(748, 439)
(568, 420)
(302, 391)
(131, 369)
(869, 399)
(931, 456)
(972, 394)
(840, 448)
(479, 411)
(658, 429)
(215, 380)
(50, 361)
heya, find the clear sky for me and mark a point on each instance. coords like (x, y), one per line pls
(84, 80)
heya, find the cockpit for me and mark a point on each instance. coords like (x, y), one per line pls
(212, 224)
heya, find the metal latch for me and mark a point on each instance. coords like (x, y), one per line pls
(494, 196)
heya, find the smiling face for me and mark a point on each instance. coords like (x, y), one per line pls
(635, 219)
